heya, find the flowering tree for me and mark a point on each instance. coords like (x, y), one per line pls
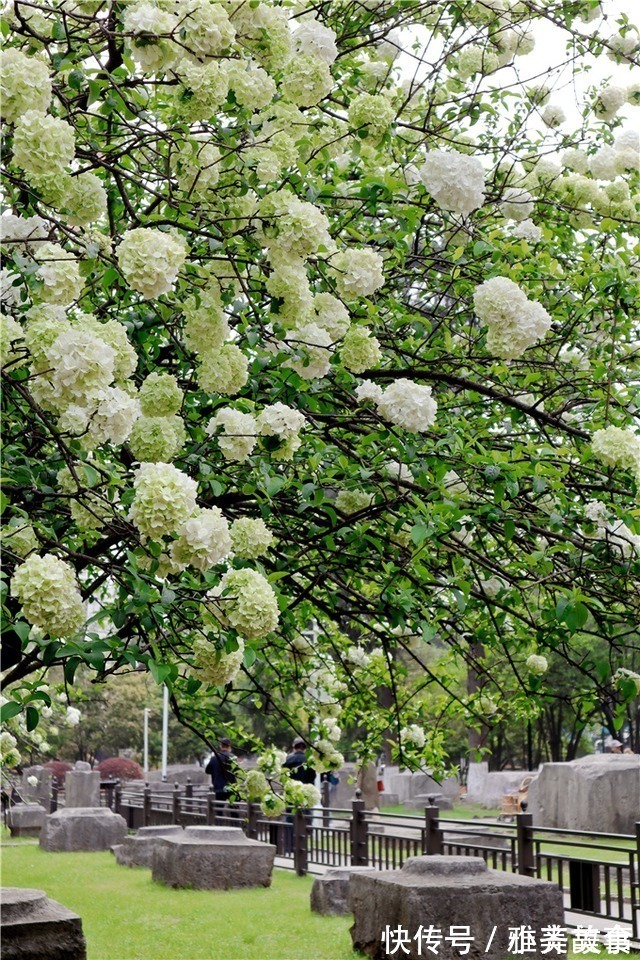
(319, 355)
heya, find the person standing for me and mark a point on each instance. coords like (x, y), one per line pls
(221, 767)
(299, 769)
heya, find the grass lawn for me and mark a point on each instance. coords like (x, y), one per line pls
(127, 917)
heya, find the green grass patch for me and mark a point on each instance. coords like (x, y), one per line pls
(125, 916)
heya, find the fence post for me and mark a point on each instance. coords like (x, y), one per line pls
(524, 840)
(432, 834)
(325, 790)
(211, 808)
(300, 852)
(146, 805)
(635, 888)
(252, 820)
(53, 806)
(118, 798)
(175, 806)
(359, 829)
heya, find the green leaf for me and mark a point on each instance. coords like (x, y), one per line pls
(32, 718)
(159, 671)
(9, 710)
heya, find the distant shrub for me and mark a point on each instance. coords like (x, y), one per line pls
(120, 769)
(59, 769)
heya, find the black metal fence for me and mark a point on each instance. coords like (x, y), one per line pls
(599, 873)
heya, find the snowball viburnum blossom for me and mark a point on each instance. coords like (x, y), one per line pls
(353, 501)
(313, 38)
(43, 146)
(239, 433)
(82, 366)
(24, 85)
(455, 180)
(357, 272)
(251, 538)
(537, 664)
(279, 420)
(409, 405)
(246, 601)
(214, 666)
(368, 390)
(413, 734)
(164, 499)
(617, 448)
(203, 540)
(514, 322)
(72, 716)
(360, 350)
(150, 260)
(314, 344)
(114, 417)
(59, 274)
(154, 439)
(224, 371)
(160, 395)
(48, 591)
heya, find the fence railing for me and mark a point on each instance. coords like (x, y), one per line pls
(599, 873)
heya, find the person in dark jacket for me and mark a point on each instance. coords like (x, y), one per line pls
(297, 763)
(221, 766)
(299, 769)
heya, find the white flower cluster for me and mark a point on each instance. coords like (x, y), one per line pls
(150, 260)
(409, 405)
(50, 596)
(614, 532)
(213, 666)
(22, 234)
(537, 664)
(623, 673)
(245, 600)
(314, 343)
(9, 753)
(72, 716)
(300, 796)
(325, 757)
(618, 447)
(279, 420)
(164, 499)
(271, 762)
(353, 501)
(316, 40)
(360, 350)
(516, 203)
(514, 322)
(43, 147)
(203, 541)
(610, 99)
(413, 734)
(357, 656)
(24, 85)
(455, 180)
(255, 785)
(19, 536)
(58, 273)
(238, 433)
(357, 272)
(250, 538)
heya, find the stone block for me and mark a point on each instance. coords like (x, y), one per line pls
(212, 858)
(599, 792)
(330, 892)
(82, 828)
(488, 788)
(445, 892)
(26, 819)
(386, 799)
(82, 787)
(40, 792)
(36, 928)
(137, 851)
